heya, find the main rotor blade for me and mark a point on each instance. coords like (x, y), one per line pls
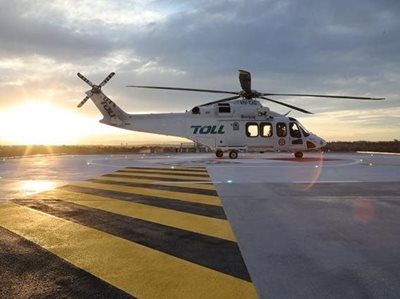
(184, 89)
(245, 80)
(85, 79)
(321, 96)
(107, 79)
(220, 101)
(287, 105)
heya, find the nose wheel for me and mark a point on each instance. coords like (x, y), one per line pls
(298, 155)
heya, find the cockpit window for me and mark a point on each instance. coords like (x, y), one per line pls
(304, 130)
(294, 130)
(281, 130)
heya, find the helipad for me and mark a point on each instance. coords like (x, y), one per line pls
(194, 226)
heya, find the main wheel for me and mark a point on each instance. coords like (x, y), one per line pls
(298, 155)
(219, 153)
(233, 154)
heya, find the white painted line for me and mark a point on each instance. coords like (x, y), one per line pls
(324, 182)
(185, 182)
(378, 153)
(300, 165)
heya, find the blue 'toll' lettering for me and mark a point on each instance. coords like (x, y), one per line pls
(196, 129)
(205, 130)
(208, 129)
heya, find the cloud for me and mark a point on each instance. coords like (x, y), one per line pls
(112, 14)
(337, 47)
(276, 36)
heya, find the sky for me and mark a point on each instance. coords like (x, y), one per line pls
(328, 47)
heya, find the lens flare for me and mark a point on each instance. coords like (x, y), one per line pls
(363, 210)
(313, 174)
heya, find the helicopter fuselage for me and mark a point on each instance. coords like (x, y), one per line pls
(242, 125)
(233, 124)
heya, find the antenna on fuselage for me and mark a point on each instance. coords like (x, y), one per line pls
(287, 113)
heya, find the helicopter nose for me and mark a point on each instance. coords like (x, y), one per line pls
(315, 142)
(322, 142)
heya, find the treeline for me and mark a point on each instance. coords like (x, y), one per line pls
(29, 150)
(367, 146)
(22, 150)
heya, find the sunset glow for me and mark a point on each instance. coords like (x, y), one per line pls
(38, 123)
(45, 44)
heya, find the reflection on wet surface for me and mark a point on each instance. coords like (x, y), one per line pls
(24, 176)
(29, 187)
(327, 226)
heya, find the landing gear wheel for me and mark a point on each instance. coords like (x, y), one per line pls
(298, 155)
(219, 153)
(233, 154)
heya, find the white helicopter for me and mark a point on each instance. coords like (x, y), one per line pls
(235, 124)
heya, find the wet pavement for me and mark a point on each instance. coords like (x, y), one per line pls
(194, 226)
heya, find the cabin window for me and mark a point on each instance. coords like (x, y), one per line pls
(266, 129)
(252, 129)
(294, 130)
(281, 129)
(224, 108)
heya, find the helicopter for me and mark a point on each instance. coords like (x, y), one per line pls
(239, 123)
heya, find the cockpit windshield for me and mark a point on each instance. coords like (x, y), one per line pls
(304, 130)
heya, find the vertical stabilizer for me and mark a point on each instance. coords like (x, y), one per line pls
(112, 114)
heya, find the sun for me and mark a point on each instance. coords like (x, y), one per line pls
(38, 123)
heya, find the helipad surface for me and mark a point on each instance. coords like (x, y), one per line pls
(193, 226)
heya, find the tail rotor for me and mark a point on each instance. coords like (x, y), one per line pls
(85, 79)
(95, 88)
(107, 79)
(83, 101)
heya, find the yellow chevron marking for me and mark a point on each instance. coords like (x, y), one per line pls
(195, 169)
(209, 226)
(170, 176)
(166, 171)
(153, 181)
(184, 196)
(136, 269)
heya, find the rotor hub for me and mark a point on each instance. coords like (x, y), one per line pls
(96, 89)
(250, 95)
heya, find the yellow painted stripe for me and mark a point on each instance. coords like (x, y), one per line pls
(152, 181)
(196, 169)
(167, 171)
(171, 176)
(191, 168)
(191, 197)
(138, 270)
(209, 226)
